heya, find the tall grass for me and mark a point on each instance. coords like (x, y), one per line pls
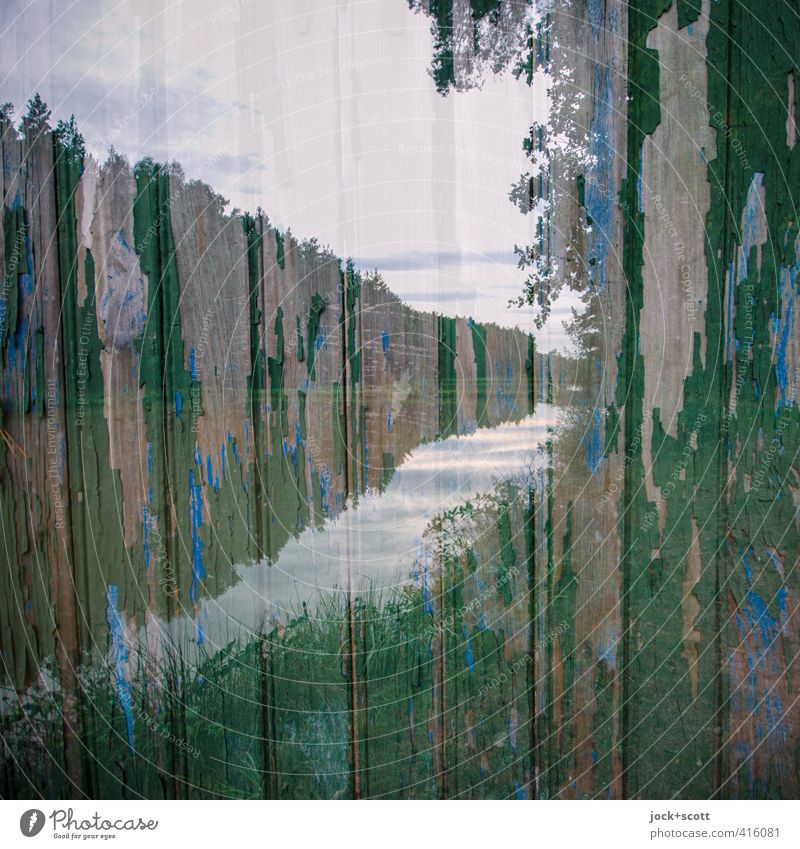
(424, 688)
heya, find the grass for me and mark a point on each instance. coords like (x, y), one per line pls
(416, 694)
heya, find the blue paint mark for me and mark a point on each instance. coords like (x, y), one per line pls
(427, 601)
(730, 347)
(209, 470)
(774, 556)
(599, 179)
(192, 364)
(385, 341)
(639, 179)
(594, 441)
(748, 571)
(146, 536)
(16, 348)
(596, 8)
(750, 223)
(759, 634)
(781, 597)
(123, 241)
(325, 486)
(608, 651)
(783, 328)
(178, 403)
(119, 657)
(196, 519)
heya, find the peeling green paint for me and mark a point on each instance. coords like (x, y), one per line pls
(448, 401)
(16, 263)
(314, 316)
(479, 348)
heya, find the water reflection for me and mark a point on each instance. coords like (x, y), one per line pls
(388, 653)
(375, 544)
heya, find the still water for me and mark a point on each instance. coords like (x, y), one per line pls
(377, 543)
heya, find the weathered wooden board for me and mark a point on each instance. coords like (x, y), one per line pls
(667, 527)
(189, 389)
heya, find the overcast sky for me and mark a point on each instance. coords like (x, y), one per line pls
(320, 111)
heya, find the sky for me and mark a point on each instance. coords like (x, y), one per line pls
(380, 544)
(321, 112)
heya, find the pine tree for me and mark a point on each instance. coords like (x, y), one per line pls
(37, 118)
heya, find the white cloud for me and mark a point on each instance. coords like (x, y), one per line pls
(320, 111)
